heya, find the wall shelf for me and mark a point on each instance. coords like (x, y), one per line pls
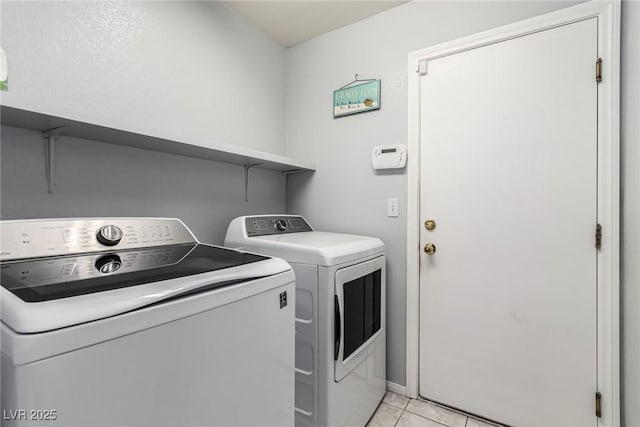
(227, 153)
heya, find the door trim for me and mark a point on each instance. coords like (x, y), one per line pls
(608, 209)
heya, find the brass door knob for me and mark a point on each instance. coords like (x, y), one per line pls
(430, 249)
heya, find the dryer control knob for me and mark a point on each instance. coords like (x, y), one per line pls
(109, 235)
(281, 224)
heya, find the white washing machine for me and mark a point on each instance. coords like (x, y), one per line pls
(340, 356)
(133, 322)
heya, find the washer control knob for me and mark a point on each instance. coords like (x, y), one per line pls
(108, 264)
(281, 224)
(109, 235)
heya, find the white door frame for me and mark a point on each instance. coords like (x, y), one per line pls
(608, 335)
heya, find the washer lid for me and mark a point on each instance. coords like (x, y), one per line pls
(46, 279)
(313, 247)
(43, 294)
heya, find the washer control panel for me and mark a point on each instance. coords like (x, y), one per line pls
(40, 238)
(277, 224)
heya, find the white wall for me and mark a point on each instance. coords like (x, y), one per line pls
(185, 70)
(630, 141)
(345, 194)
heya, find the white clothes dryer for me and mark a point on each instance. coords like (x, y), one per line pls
(340, 356)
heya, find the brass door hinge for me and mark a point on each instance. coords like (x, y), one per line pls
(598, 236)
(599, 70)
(598, 405)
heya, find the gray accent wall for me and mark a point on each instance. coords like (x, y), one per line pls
(99, 179)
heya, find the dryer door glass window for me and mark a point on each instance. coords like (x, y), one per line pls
(361, 310)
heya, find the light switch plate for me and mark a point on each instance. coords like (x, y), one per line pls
(392, 207)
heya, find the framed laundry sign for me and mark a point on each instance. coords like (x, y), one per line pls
(356, 97)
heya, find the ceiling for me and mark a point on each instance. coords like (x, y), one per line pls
(295, 21)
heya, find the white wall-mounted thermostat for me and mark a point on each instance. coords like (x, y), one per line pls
(389, 157)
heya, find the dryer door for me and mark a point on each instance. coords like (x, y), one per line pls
(359, 313)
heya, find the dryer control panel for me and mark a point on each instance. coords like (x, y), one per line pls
(276, 224)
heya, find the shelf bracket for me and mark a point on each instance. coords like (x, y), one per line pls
(292, 171)
(246, 179)
(51, 136)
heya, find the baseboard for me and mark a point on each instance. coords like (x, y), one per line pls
(396, 388)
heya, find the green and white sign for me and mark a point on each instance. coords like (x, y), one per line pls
(356, 99)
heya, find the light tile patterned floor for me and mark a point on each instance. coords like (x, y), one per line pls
(399, 411)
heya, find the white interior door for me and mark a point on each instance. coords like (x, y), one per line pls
(509, 174)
